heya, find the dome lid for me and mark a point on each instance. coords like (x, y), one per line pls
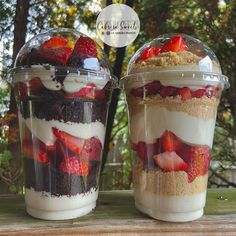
(64, 48)
(174, 52)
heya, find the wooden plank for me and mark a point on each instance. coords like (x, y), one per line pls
(116, 215)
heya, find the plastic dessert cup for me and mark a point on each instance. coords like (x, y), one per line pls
(173, 88)
(62, 85)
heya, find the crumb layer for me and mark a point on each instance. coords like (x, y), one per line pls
(167, 183)
(204, 108)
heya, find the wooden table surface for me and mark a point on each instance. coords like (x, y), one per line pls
(116, 215)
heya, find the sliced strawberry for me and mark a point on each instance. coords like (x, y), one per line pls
(73, 143)
(55, 56)
(27, 146)
(199, 93)
(146, 151)
(170, 142)
(23, 88)
(33, 151)
(100, 94)
(217, 90)
(209, 91)
(34, 84)
(20, 91)
(175, 44)
(74, 166)
(54, 42)
(152, 88)
(89, 91)
(134, 146)
(149, 52)
(184, 152)
(142, 151)
(137, 92)
(170, 161)
(91, 150)
(185, 93)
(212, 91)
(199, 162)
(85, 47)
(168, 91)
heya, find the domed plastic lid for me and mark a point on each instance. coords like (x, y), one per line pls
(64, 51)
(174, 52)
(63, 47)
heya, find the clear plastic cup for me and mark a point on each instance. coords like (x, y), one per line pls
(62, 93)
(172, 93)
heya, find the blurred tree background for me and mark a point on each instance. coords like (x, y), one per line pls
(212, 21)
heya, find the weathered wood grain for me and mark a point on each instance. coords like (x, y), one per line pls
(115, 215)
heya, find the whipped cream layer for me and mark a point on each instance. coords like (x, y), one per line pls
(170, 208)
(42, 129)
(45, 206)
(153, 121)
(73, 82)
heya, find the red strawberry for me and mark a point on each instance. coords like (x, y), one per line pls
(85, 47)
(185, 93)
(34, 84)
(168, 91)
(54, 42)
(175, 44)
(20, 91)
(137, 92)
(146, 151)
(217, 90)
(152, 88)
(89, 91)
(149, 52)
(74, 166)
(33, 151)
(73, 143)
(184, 152)
(170, 161)
(199, 162)
(212, 91)
(91, 150)
(199, 93)
(142, 151)
(100, 94)
(53, 56)
(209, 91)
(170, 142)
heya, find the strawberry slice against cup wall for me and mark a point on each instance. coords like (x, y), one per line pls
(62, 82)
(173, 88)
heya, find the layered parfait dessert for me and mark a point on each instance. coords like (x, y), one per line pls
(62, 84)
(172, 91)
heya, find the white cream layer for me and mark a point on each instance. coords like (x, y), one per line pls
(170, 208)
(150, 124)
(45, 206)
(73, 81)
(42, 129)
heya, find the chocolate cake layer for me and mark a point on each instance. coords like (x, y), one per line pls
(48, 178)
(51, 105)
